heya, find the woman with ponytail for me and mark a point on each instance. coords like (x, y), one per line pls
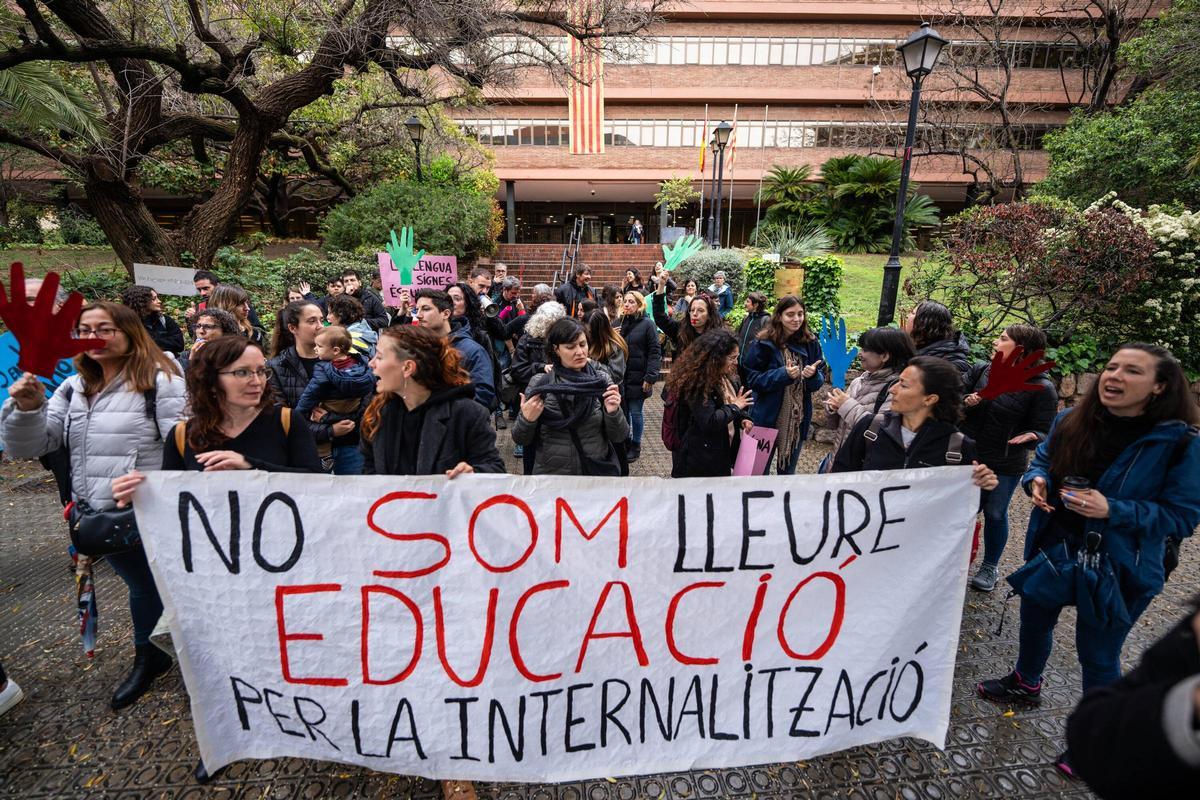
(424, 419)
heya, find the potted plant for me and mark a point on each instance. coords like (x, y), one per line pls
(674, 194)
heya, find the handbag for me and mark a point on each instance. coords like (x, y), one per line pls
(101, 533)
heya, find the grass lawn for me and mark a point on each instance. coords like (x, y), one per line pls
(38, 262)
(862, 285)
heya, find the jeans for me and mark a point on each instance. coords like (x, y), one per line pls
(347, 460)
(637, 421)
(995, 518)
(1099, 649)
(145, 606)
(793, 460)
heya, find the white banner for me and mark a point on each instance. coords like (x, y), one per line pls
(508, 628)
(165, 280)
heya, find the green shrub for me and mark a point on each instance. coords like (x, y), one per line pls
(449, 219)
(76, 226)
(707, 263)
(22, 225)
(823, 285)
(99, 283)
(759, 275)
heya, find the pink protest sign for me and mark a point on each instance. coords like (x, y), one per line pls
(431, 272)
(755, 452)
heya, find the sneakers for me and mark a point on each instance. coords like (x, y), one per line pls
(518, 451)
(985, 579)
(10, 696)
(1010, 689)
(501, 422)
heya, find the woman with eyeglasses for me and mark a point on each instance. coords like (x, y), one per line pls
(211, 324)
(113, 417)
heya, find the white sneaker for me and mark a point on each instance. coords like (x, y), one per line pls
(11, 695)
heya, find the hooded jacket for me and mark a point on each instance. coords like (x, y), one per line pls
(165, 332)
(106, 439)
(555, 451)
(860, 402)
(572, 295)
(957, 351)
(724, 298)
(330, 383)
(373, 310)
(1149, 499)
(928, 449)
(991, 423)
(478, 362)
(456, 428)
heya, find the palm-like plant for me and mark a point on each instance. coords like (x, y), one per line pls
(793, 243)
(789, 189)
(34, 96)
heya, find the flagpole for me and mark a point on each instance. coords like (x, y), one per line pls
(703, 150)
(761, 169)
(732, 161)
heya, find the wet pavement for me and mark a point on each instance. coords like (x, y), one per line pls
(63, 741)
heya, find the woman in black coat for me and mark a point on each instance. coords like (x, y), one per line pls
(165, 331)
(424, 419)
(641, 366)
(932, 329)
(1005, 430)
(711, 415)
(920, 429)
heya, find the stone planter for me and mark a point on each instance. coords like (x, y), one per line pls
(789, 279)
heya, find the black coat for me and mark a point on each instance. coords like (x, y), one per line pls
(1117, 736)
(572, 295)
(529, 359)
(706, 449)
(456, 428)
(645, 356)
(992, 423)
(289, 379)
(373, 310)
(165, 332)
(954, 350)
(663, 319)
(887, 452)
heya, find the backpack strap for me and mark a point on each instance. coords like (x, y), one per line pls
(883, 395)
(181, 437)
(872, 431)
(285, 419)
(150, 396)
(954, 448)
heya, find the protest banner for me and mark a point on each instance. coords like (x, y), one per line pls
(431, 272)
(165, 280)
(10, 373)
(497, 627)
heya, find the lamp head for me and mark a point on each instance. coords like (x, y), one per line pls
(416, 130)
(921, 50)
(721, 133)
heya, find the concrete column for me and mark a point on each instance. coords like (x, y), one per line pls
(664, 220)
(510, 210)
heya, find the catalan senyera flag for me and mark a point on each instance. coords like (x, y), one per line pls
(585, 99)
(703, 137)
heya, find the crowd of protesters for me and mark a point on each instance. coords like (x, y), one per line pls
(350, 386)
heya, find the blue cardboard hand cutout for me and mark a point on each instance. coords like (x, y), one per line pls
(833, 345)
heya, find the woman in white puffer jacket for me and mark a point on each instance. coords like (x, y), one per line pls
(112, 416)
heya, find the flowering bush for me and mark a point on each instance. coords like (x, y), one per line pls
(1165, 308)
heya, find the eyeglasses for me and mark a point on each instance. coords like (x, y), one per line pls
(88, 333)
(200, 326)
(262, 373)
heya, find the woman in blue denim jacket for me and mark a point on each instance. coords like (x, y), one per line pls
(1130, 439)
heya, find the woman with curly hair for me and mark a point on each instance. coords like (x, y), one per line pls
(234, 299)
(711, 415)
(211, 324)
(424, 419)
(162, 329)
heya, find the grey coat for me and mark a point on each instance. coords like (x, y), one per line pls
(555, 452)
(860, 402)
(108, 437)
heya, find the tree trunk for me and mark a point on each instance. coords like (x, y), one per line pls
(131, 229)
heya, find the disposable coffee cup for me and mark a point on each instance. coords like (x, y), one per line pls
(1075, 483)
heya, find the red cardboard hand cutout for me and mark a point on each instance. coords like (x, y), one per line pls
(1013, 374)
(44, 337)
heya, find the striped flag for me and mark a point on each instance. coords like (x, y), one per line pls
(585, 98)
(703, 137)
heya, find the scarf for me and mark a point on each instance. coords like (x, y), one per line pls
(573, 390)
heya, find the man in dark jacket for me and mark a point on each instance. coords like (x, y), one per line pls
(373, 311)
(1140, 737)
(572, 293)
(433, 308)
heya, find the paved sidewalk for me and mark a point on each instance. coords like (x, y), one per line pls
(63, 741)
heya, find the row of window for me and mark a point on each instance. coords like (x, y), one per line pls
(772, 51)
(750, 133)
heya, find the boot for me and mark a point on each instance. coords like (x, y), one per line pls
(148, 664)
(633, 451)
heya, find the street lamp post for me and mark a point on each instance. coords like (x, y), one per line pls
(721, 136)
(712, 201)
(920, 51)
(416, 132)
